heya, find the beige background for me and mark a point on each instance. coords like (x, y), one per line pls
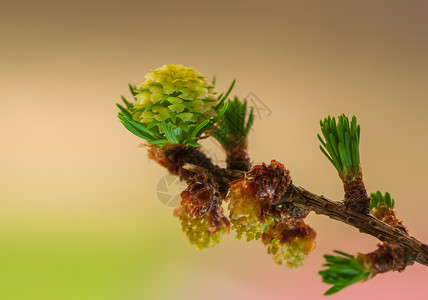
(79, 215)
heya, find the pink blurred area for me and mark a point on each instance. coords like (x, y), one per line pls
(71, 175)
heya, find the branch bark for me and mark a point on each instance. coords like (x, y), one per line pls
(178, 161)
(363, 222)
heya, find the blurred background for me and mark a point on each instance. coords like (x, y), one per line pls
(80, 215)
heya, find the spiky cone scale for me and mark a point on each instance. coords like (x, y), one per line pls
(290, 240)
(200, 211)
(268, 182)
(237, 155)
(252, 197)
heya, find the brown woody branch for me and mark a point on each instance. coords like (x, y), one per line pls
(183, 161)
(363, 222)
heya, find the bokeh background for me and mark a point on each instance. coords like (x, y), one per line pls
(80, 218)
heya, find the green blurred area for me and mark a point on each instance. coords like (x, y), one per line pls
(53, 265)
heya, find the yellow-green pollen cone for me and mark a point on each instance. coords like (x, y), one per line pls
(293, 254)
(199, 230)
(175, 94)
(244, 215)
(290, 240)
